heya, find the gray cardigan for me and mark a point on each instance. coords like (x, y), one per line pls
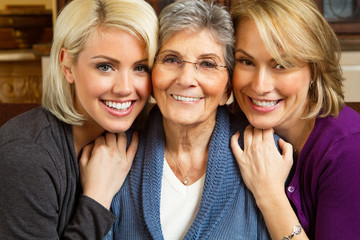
(40, 194)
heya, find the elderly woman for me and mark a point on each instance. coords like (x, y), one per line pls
(287, 78)
(98, 82)
(185, 182)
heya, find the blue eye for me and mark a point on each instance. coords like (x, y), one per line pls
(142, 68)
(104, 67)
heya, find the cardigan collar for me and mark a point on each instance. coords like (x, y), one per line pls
(221, 181)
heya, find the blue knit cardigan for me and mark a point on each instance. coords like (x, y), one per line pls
(227, 209)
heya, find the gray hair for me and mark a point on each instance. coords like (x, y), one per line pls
(197, 15)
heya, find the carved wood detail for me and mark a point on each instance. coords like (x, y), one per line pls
(20, 81)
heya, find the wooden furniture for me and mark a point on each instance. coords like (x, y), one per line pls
(10, 110)
(23, 26)
(344, 18)
(20, 77)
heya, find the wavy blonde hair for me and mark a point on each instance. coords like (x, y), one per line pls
(298, 30)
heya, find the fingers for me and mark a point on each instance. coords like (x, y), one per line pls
(110, 139)
(257, 135)
(121, 141)
(268, 135)
(287, 150)
(85, 155)
(100, 140)
(248, 136)
(235, 145)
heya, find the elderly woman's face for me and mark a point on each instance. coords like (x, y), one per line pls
(269, 95)
(187, 93)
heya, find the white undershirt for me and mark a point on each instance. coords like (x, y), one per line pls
(179, 204)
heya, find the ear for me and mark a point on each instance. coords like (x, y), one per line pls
(226, 95)
(65, 61)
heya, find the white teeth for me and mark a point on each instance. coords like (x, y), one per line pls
(264, 103)
(118, 106)
(185, 99)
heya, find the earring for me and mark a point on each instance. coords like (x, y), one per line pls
(311, 84)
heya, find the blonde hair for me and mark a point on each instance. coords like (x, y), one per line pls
(76, 22)
(297, 30)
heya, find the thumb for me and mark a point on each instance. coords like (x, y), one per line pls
(287, 150)
(235, 145)
(85, 154)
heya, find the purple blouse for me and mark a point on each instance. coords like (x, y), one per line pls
(325, 188)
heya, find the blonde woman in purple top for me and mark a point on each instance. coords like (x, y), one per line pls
(287, 78)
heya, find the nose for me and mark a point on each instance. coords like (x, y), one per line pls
(263, 81)
(187, 75)
(122, 83)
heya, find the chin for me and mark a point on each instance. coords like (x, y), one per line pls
(118, 129)
(262, 124)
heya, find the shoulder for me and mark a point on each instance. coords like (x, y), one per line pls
(334, 144)
(330, 129)
(25, 125)
(31, 139)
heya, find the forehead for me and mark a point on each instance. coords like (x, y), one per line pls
(193, 43)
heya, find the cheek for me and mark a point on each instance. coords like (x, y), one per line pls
(143, 86)
(159, 80)
(291, 87)
(238, 80)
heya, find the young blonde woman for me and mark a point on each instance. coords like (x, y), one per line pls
(98, 84)
(287, 78)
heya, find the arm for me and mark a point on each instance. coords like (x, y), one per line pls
(338, 191)
(28, 193)
(33, 204)
(105, 165)
(264, 171)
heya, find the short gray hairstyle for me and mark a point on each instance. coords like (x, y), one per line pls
(197, 15)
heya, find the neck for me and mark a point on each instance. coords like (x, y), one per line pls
(85, 134)
(186, 149)
(297, 136)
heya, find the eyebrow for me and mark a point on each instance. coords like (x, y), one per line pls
(244, 52)
(106, 57)
(117, 61)
(200, 56)
(250, 56)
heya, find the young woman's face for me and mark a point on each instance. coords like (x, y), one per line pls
(269, 95)
(112, 79)
(190, 95)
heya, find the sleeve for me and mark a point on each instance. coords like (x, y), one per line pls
(29, 198)
(28, 193)
(338, 192)
(91, 221)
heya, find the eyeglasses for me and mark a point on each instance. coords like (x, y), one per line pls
(205, 66)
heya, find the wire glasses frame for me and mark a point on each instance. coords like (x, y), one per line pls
(173, 63)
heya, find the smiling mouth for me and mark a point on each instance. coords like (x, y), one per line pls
(118, 106)
(185, 99)
(264, 103)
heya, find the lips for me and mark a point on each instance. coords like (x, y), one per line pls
(117, 105)
(185, 99)
(264, 103)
